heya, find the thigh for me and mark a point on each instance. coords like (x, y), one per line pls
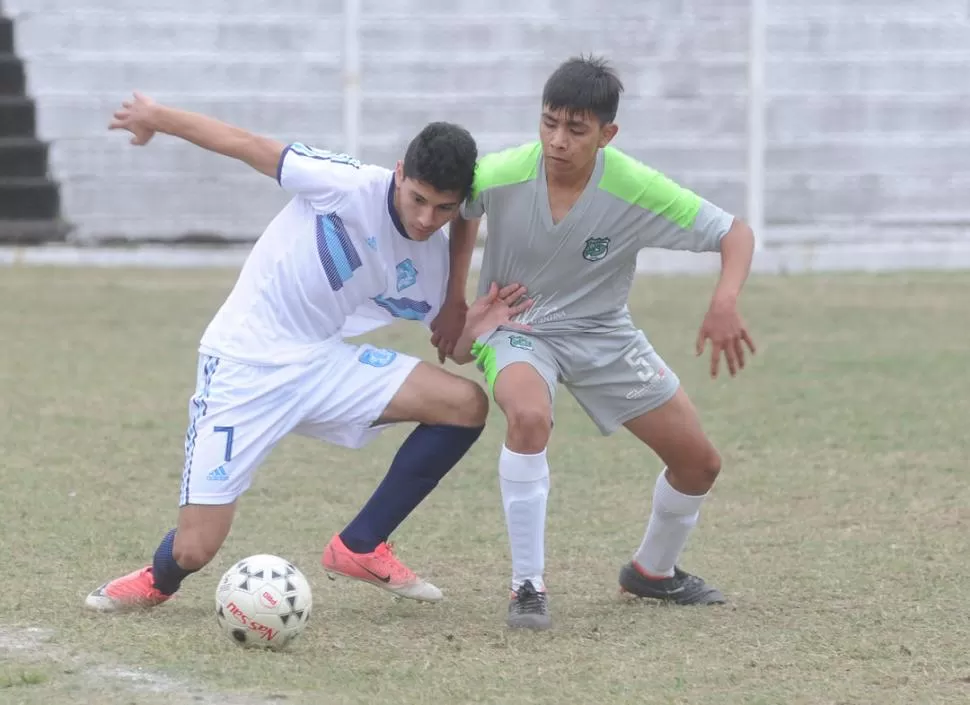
(349, 392)
(236, 416)
(506, 358)
(616, 376)
(431, 395)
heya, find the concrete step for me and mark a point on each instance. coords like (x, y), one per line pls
(840, 10)
(872, 154)
(943, 74)
(12, 80)
(899, 36)
(190, 73)
(795, 117)
(32, 232)
(28, 199)
(6, 35)
(643, 36)
(39, 34)
(296, 115)
(16, 116)
(22, 157)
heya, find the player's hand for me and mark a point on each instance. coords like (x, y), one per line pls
(724, 328)
(497, 308)
(136, 115)
(447, 326)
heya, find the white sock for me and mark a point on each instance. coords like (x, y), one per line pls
(673, 516)
(525, 489)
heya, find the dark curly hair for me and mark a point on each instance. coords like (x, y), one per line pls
(584, 84)
(443, 155)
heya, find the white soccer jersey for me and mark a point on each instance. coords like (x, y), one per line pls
(334, 263)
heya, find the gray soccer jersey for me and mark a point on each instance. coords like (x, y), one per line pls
(579, 271)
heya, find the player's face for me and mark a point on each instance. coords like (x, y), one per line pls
(571, 139)
(422, 208)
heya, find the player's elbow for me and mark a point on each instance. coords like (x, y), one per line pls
(740, 236)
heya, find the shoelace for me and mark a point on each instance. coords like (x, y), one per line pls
(385, 553)
(530, 599)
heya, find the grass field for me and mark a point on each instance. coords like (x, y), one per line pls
(840, 528)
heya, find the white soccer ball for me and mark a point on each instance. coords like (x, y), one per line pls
(263, 602)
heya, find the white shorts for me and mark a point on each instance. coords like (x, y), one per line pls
(240, 412)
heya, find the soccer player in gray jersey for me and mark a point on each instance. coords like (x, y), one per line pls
(567, 216)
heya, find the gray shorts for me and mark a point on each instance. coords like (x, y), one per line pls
(615, 376)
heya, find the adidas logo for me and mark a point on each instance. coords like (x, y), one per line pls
(218, 474)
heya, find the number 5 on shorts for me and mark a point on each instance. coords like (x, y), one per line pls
(638, 361)
(228, 430)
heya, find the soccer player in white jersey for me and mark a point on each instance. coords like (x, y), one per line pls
(355, 248)
(566, 217)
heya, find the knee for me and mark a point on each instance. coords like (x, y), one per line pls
(471, 405)
(529, 428)
(192, 552)
(710, 466)
(698, 474)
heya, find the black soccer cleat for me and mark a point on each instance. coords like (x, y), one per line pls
(529, 608)
(681, 589)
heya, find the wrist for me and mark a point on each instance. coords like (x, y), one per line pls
(725, 296)
(456, 297)
(156, 119)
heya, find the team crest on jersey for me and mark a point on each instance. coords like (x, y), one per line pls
(377, 357)
(596, 248)
(372, 243)
(520, 342)
(407, 275)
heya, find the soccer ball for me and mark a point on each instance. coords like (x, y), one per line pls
(263, 602)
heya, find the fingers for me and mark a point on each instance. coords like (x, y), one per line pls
(493, 293)
(738, 353)
(701, 339)
(730, 357)
(715, 358)
(747, 339)
(520, 308)
(517, 326)
(512, 293)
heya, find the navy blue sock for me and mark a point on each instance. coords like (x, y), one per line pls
(167, 572)
(422, 460)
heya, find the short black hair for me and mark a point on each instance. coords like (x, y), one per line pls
(443, 155)
(584, 84)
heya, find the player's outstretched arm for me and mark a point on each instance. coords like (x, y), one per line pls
(496, 308)
(723, 325)
(143, 117)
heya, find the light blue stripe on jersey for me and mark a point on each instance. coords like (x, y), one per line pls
(337, 253)
(405, 308)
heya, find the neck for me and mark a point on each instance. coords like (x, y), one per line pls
(571, 182)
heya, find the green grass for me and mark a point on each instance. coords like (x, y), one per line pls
(839, 528)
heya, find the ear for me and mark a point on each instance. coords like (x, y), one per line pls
(399, 174)
(607, 133)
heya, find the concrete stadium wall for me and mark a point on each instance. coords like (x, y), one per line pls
(868, 115)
